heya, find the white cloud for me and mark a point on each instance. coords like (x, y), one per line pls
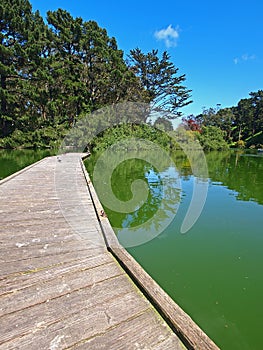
(244, 58)
(168, 35)
(247, 57)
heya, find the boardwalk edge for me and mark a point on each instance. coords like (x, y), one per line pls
(179, 321)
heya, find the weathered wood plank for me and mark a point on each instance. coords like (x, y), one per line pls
(145, 334)
(54, 287)
(22, 280)
(45, 261)
(34, 250)
(83, 313)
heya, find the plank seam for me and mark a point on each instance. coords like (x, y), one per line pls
(99, 334)
(67, 293)
(44, 281)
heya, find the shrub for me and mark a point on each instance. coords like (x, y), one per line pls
(212, 138)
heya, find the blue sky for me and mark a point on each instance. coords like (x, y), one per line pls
(217, 44)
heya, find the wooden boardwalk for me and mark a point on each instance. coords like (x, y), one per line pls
(60, 287)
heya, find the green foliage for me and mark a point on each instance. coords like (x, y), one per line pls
(240, 123)
(255, 141)
(240, 144)
(21, 48)
(125, 132)
(212, 138)
(46, 137)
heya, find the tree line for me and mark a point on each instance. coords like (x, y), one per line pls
(239, 126)
(54, 72)
(58, 70)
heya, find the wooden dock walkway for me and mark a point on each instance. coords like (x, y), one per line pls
(61, 285)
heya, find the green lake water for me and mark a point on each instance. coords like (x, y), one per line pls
(12, 161)
(214, 271)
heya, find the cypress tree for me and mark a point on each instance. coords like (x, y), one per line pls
(160, 79)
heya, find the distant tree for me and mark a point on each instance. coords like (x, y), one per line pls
(161, 82)
(223, 119)
(163, 124)
(209, 117)
(243, 118)
(226, 122)
(256, 99)
(192, 123)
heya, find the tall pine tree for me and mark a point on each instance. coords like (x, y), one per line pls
(161, 82)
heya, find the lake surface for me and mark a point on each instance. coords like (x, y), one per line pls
(214, 271)
(12, 161)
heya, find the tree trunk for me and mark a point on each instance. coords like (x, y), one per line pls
(3, 124)
(239, 133)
